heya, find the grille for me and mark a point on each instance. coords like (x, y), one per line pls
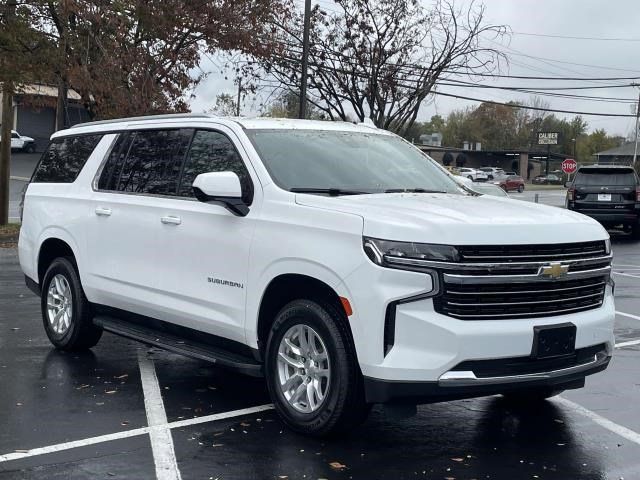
(531, 253)
(483, 301)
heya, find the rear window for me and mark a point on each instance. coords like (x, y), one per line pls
(64, 158)
(612, 177)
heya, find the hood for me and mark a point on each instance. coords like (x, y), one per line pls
(26, 139)
(461, 220)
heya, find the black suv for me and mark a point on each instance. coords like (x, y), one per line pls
(610, 194)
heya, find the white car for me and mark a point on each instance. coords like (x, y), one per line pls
(337, 260)
(473, 174)
(22, 142)
(492, 172)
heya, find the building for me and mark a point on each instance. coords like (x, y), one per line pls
(431, 139)
(622, 155)
(34, 112)
(527, 163)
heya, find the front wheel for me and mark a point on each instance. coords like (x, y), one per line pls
(520, 188)
(312, 372)
(470, 177)
(66, 312)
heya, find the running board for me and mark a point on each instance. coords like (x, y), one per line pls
(173, 343)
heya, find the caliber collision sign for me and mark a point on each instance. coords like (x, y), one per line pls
(548, 138)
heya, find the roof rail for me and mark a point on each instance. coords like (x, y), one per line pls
(167, 116)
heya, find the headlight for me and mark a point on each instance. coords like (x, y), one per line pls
(391, 253)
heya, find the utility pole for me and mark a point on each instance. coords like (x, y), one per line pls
(6, 125)
(635, 150)
(239, 93)
(305, 60)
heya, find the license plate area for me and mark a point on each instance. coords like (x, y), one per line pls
(554, 340)
(604, 197)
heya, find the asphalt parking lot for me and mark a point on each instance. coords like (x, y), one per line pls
(124, 411)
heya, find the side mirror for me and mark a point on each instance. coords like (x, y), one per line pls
(223, 188)
(567, 184)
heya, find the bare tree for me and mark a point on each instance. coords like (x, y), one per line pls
(380, 59)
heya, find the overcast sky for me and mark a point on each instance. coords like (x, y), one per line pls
(534, 55)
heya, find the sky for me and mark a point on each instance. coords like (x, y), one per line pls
(534, 49)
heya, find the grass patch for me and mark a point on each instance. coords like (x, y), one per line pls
(9, 235)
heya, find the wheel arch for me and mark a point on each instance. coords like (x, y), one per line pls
(286, 287)
(56, 244)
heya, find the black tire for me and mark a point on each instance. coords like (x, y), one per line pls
(520, 188)
(635, 231)
(470, 177)
(31, 148)
(532, 395)
(81, 333)
(344, 405)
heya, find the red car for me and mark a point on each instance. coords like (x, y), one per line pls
(511, 182)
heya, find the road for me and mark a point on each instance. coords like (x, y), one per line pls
(22, 166)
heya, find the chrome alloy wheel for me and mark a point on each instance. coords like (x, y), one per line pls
(59, 304)
(304, 370)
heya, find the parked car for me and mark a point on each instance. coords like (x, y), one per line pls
(511, 183)
(473, 174)
(550, 179)
(276, 248)
(610, 194)
(22, 142)
(492, 172)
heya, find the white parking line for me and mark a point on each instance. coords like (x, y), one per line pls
(626, 274)
(624, 432)
(164, 455)
(34, 452)
(635, 317)
(630, 343)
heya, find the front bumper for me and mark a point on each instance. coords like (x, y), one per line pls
(460, 384)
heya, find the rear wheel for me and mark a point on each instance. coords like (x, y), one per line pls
(312, 371)
(532, 395)
(66, 312)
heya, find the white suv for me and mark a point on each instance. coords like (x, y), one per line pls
(336, 260)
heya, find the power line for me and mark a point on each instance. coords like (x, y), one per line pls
(600, 39)
(526, 107)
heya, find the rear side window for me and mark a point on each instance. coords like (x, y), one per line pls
(610, 177)
(64, 158)
(147, 161)
(213, 152)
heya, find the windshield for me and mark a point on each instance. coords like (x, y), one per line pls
(612, 177)
(351, 161)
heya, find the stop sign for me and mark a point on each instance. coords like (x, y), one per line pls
(569, 165)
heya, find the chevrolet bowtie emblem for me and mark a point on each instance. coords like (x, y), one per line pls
(553, 270)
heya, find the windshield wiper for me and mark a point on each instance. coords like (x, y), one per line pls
(412, 190)
(334, 192)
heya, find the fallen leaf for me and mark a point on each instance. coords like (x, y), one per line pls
(245, 424)
(21, 451)
(84, 385)
(458, 459)
(217, 445)
(124, 423)
(557, 421)
(120, 377)
(109, 392)
(19, 404)
(337, 465)
(15, 328)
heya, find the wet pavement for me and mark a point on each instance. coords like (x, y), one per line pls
(87, 416)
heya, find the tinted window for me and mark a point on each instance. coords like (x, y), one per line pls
(213, 152)
(64, 158)
(113, 165)
(15, 135)
(613, 177)
(154, 162)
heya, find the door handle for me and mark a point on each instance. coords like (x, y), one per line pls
(171, 220)
(103, 212)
